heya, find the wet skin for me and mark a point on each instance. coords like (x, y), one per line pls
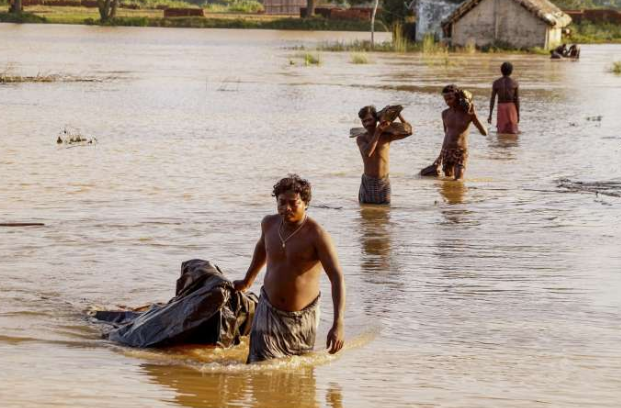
(507, 90)
(456, 129)
(293, 272)
(374, 145)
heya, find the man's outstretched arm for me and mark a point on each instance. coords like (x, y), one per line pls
(477, 122)
(258, 261)
(330, 263)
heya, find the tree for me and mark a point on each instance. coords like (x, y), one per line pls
(16, 7)
(107, 9)
(310, 8)
(394, 11)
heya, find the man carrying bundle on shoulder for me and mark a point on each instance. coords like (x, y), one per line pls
(456, 120)
(374, 145)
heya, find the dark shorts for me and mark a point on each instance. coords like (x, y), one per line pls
(374, 191)
(276, 333)
(453, 157)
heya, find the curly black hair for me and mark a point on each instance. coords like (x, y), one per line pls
(366, 110)
(293, 183)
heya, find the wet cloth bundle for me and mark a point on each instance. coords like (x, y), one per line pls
(277, 333)
(206, 309)
(374, 190)
(507, 118)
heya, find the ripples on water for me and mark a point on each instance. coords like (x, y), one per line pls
(499, 291)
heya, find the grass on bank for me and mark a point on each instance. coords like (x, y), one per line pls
(428, 47)
(359, 58)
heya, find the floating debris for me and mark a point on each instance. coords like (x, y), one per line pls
(606, 188)
(22, 224)
(74, 138)
(594, 118)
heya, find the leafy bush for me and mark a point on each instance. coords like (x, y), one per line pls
(586, 33)
(21, 18)
(234, 6)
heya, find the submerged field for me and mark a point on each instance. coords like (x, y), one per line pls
(501, 291)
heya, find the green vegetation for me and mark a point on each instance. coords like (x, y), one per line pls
(6, 17)
(355, 46)
(587, 4)
(359, 58)
(616, 68)
(399, 40)
(154, 18)
(428, 47)
(310, 59)
(589, 33)
(234, 6)
(155, 4)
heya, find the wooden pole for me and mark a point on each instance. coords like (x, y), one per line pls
(373, 23)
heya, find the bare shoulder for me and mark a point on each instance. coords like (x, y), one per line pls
(445, 112)
(270, 220)
(317, 230)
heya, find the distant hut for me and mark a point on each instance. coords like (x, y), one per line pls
(288, 7)
(515, 23)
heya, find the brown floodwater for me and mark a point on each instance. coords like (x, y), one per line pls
(501, 291)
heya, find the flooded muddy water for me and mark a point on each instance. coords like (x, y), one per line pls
(502, 290)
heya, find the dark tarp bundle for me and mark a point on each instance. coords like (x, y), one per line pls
(206, 309)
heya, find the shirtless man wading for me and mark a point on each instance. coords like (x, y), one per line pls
(454, 153)
(374, 146)
(295, 248)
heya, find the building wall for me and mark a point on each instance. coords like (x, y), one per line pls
(555, 37)
(503, 21)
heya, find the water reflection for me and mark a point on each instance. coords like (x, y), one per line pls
(453, 192)
(268, 388)
(375, 238)
(334, 397)
(502, 146)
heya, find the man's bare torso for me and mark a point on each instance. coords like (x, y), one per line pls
(378, 164)
(506, 88)
(292, 273)
(456, 128)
